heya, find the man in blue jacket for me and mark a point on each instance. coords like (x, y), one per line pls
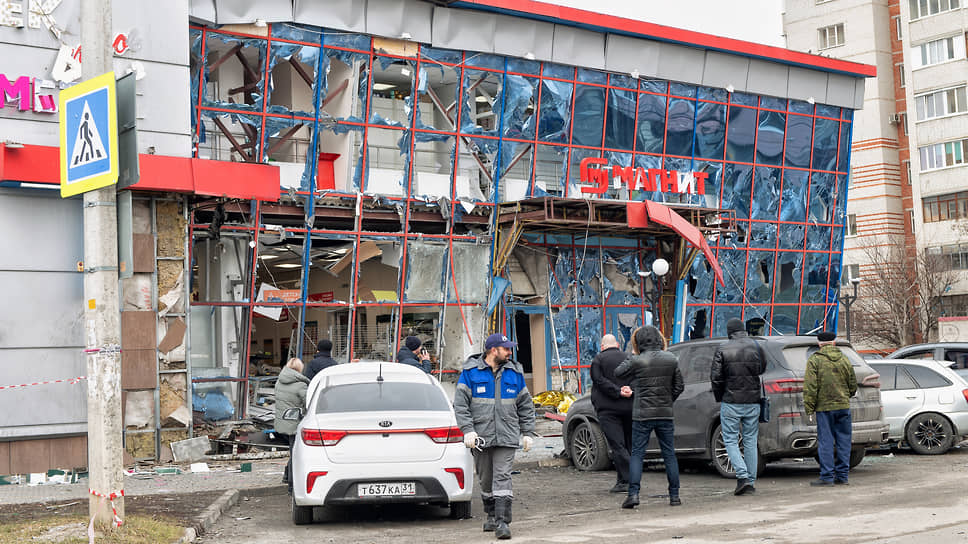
(493, 408)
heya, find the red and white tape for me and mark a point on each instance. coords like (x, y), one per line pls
(72, 381)
(110, 497)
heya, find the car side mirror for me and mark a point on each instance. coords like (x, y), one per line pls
(293, 414)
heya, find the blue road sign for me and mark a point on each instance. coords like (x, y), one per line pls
(88, 126)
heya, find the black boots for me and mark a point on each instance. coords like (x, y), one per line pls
(491, 523)
(502, 514)
(620, 487)
(674, 500)
(631, 501)
(743, 486)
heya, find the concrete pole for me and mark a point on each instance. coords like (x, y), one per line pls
(102, 312)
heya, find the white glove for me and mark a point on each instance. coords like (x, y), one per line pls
(527, 442)
(469, 439)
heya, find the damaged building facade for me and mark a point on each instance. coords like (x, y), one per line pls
(367, 171)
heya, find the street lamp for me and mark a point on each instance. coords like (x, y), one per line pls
(660, 267)
(848, 300)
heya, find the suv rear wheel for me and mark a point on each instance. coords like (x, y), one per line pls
(588, 448)
(929, 434)
(720, 459)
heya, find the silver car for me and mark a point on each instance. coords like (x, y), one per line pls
(925, 403)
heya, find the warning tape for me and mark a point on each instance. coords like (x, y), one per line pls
(72, 381)
(110, 497)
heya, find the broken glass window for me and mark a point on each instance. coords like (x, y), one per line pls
(713, 93)
(722, 315)
(481, 107)
(554, 125)
(843, 160)
(230, 137)
(550, 167)
(234, 72)
(433, 164)
(437, 97)
(769, 137)
(741, 135)
(791, 236)
(519, 102)
(697, 322)
(588, 273)
(737, 185)
(763, 235)
(784, 320)
(825, 144)
(815, 279)
(799, 134)
(759, 276)
(386, 156)
(425, 272)
(391, 101)
(799, 106)
(621, 280)
(767, 189)
(680, 127)
(292, 88)
(793, 204)
(733, 263)
(812, 318)
(710, 130)
(650, 135)
(517, 160)
(469, 261)
(563, 320)
(475, 181)
(620, 120)
(821, 197)
(561, 276)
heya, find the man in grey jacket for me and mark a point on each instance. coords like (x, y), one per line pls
(494, 408)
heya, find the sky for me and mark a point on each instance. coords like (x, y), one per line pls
(757, 21)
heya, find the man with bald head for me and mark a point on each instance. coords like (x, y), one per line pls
(612, 399)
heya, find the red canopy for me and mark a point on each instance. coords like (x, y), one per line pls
(640, 213)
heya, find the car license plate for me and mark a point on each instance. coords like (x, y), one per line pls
(392, 489)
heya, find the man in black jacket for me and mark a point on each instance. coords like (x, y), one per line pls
(735, 377)
(321, 360)
(614, 410)
(410, 351)
(656, 383)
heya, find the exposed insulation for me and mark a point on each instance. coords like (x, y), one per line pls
(167, 437)
(171, 227)
(168, 272)
(140, 445)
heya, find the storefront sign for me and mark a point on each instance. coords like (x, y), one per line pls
(29, 94)
(597, 173)
(37, 11)
(282, 295)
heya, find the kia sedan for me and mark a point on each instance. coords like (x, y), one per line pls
(925, 403)
(377, 433)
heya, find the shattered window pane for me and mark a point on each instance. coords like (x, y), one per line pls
(519, 103)
(697, 322)
(844, 156)
(621, 280)
(437, 91)
(821, 198)
(425, 270)
(681, 127)
(516, 179)
(555, 120)
(550, 168)
(481, 107)
(710, 130)
(391, 101)
(469, 262)
(799, 132)
(293, 79)
(741, 135)
(433, 166)
(767, 188)
(722, 315)
(811, 318)
(386, 161)
(769, 137)
(234, 72)
(589, 116)
(759, 277)
(784, 320)
(229, 137)
(792, 207)
(620, 127)
(825, 144)
(651, 131)
(475, 179)
(736, 189)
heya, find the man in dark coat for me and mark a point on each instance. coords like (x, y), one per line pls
(656, 384)
(614, 410)
(321, 360)
(735, 376)
(412, 354)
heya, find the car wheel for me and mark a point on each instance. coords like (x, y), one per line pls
(301, 515)
(460, 510)
(929, 434)
(720, 459)
(588, 448)
(856, 456)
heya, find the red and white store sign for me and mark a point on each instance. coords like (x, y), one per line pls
(598, 175)
(29, 94)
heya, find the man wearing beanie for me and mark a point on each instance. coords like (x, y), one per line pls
(735, 376)
(412, 354)
(827, 387)
(321, 360)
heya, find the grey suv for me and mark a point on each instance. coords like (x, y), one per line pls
(788, 433)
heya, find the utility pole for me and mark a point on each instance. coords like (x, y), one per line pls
(102, 312)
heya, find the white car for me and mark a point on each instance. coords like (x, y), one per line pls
(925, 403)
(378, 433)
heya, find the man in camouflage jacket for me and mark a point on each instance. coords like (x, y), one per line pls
(827, 387)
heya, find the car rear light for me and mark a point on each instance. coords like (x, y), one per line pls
(445, 435)
(319, 437)
(311, 480)
(785, 385)
(965, 393)
(459, 474)
(874, 380)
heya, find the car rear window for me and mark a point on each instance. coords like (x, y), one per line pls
(796, 356)
(385, 396)
(926, 377)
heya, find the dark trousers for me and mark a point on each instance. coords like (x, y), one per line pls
(640, 439)
(617, 427)
(833, 444)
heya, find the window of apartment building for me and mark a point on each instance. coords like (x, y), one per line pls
(943, 155)
(830, 36)
(897, 27)
(923, 8)
(851, 271)
(851, 224)
(955, 255)
(904, 122)
(900, 74)
(941, 103)
(945, 207)
(938, 51)
(954, 305)
(907, 168)
(911, 220)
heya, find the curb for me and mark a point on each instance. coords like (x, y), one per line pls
(206, 520)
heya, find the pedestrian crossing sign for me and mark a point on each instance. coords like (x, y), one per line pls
(88, 135)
